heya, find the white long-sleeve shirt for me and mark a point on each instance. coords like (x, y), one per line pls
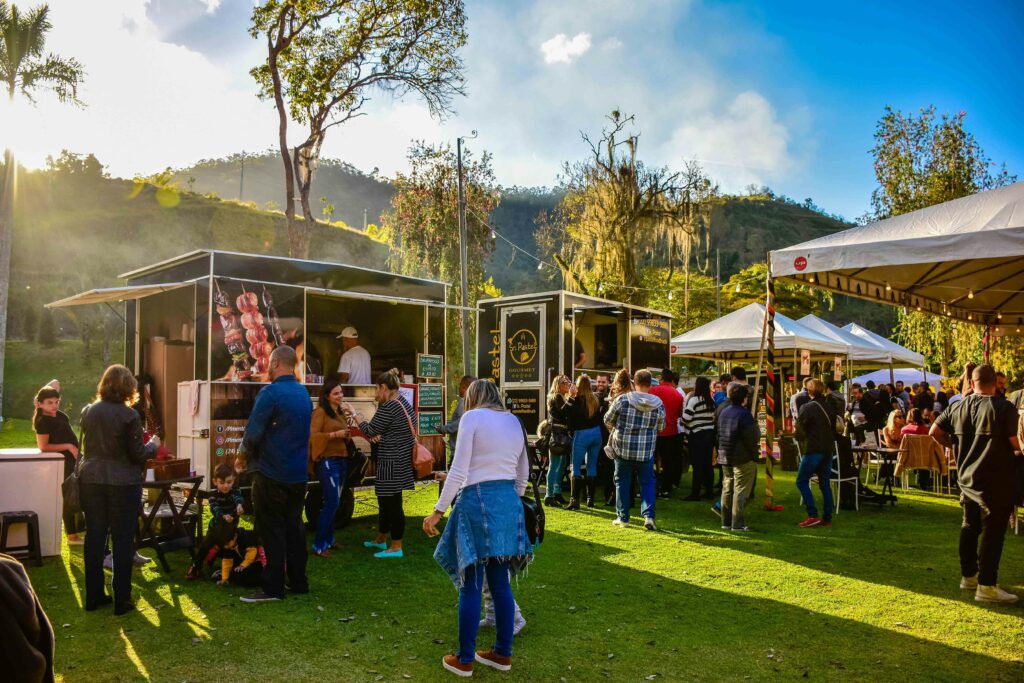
(490, 447)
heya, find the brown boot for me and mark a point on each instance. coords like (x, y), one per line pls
(494, 660)
(452, 663)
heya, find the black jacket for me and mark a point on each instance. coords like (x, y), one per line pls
(112, 448)
(558, 412)
(576, 414)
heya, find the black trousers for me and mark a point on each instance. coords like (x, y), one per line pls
(668, 453)
(277, 513)
(391, 518)
(112, 511)
(988, 524)
(701, 447)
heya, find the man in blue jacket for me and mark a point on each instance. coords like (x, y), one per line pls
(275, 448)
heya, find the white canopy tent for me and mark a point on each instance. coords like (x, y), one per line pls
(899, 354)
(962, 259)
(737, 336)
(906, 375)
(861, 349)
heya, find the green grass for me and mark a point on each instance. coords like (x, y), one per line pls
(874, 597)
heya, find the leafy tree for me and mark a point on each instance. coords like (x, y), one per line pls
(422, 226)
(46, 334)
(619, 214)
(325, 58)
(699, 308)
(920, 161)
(791, 299)
(25, 69)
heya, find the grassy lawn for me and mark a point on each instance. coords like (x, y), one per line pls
(874, 597)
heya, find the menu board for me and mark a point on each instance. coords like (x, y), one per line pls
(429, 422)
(429, 367)
(522, 360)
(431, 396)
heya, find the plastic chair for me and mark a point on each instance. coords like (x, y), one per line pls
(872, 461)
(32, 551)
(838, 479)
(922, 448)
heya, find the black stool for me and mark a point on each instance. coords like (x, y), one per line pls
(32, 551)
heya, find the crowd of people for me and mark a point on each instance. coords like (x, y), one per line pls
(633, 433)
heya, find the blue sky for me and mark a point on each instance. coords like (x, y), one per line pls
(785, 94)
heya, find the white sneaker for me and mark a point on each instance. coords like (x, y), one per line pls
(993, 594)
(649, 524)
(619, 523)
(969, 583)
(140, 559)
(519, 624)
(486, 622)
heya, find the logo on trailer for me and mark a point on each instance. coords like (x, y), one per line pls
(800, 263)
(523, 347)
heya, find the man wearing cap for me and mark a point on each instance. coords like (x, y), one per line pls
(354, 367)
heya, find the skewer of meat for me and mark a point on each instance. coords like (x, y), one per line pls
(256, 334)
(233, 336)
(272, 318)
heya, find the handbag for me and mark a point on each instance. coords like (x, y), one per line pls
(559, 441)
(69, 488)
(422, 458)
(838, 424)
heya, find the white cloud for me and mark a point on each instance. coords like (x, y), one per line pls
(211, 5)
(563, 49)
(612, 43)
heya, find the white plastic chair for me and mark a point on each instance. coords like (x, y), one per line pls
(838, 479)
(871, 460)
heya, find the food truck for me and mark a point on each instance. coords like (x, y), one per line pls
(200, 329)
(524, 341)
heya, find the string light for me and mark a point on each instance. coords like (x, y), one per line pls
(999, 314)
(494, 235)
(970, 293)
(670, 295)
(888, 287)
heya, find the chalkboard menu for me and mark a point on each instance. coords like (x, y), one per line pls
(649, 341)
(429, 422)
(522, 359)
(431, 396)
(429, 367)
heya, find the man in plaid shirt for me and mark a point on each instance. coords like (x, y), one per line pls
(634, 420)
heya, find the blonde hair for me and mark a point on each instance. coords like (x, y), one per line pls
(483, 393)
(118, 386)
(555, 383)
(585, 392)
(622, 384)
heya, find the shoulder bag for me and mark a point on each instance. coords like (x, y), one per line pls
(422, 458)
(69, 488)
(533, 510)
(838, 425)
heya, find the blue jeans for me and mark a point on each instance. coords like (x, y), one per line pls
(331, 472)
(555, 471)
(586, 443)
(624, 477)
(497, 576)
(821, 465)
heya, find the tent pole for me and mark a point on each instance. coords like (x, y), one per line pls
(892, 376)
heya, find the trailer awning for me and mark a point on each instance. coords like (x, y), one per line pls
(113, 294)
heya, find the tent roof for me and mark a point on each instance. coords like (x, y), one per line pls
(962, 257)
(113, 294)
(861, 348)
(739, 333)
(900, 354)
(906, 375)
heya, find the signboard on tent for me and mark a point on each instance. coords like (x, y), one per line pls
(837, 368)
(805, 361)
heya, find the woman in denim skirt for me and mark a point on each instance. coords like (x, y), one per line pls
(485, 538)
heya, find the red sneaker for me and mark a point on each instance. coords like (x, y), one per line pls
(773, 508)
(826, 522)
(452, 663)
(494, 660)
(810, 521)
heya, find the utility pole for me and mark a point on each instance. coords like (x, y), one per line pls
(463, 258)
(241, 179)
(718, 285)
(364, 219)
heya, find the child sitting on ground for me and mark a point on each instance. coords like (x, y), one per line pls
(244, 549)
(225, 507)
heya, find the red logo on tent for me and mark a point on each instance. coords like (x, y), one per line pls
(800, 263)
(673, 348)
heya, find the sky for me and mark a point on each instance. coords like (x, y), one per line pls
(784, 94)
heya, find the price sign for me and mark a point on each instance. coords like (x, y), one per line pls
(837, 368)
(429, 367)
(805, 362)
(429, 422)
(431, 396)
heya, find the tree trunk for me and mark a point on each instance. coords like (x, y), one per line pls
(6, 239)
(294, 237)
(305, 158)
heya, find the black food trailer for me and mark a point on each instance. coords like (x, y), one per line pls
(200, 328)
(524, 341)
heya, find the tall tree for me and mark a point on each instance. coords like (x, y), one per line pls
(326, 58)
(794, 300)
(422, 226)
(921, 160)
(618, 215)
(25, 70)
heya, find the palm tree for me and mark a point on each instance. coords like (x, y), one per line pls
(25, 68)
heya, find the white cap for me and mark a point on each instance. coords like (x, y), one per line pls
(349, 333)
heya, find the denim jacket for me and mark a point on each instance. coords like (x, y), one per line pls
(276, 439)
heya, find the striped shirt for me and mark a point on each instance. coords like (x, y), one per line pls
(698, 415)
(394, 452)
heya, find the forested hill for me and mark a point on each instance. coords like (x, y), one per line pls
(744, 228)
